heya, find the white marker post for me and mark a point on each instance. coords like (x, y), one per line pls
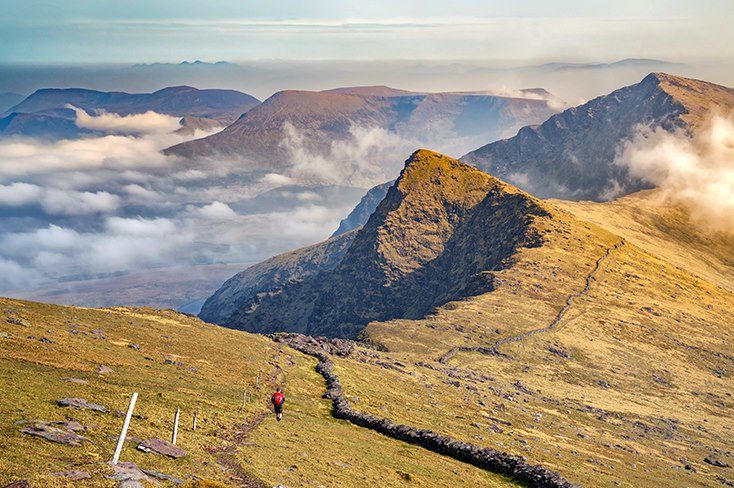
(175, 426)
(196, 412)
(125, 425)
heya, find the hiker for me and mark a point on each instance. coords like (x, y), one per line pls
(278, 399)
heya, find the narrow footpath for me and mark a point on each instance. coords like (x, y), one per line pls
(494, 349)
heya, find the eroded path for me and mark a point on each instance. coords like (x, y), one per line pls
(494, 349)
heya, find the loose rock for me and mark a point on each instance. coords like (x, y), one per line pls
(73, 475)
(159, 446)
(55, 433)
(162, 476)
(81, 403)
(716, 462)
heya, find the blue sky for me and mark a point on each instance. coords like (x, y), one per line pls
(519, 31)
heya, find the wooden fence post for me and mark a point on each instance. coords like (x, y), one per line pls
(175, 426)
(125, 425)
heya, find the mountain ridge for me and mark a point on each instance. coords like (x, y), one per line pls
(572, 154)
(437, 236)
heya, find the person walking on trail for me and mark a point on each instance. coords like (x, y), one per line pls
(278, 399)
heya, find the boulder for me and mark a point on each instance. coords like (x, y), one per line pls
(81, 403)
(56, 432)
(159, 446)
(102, 369)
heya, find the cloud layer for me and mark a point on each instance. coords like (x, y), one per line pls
(146, 123)
(697, 171)
(100, 206)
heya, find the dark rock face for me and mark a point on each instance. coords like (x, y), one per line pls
(366, 207)
(437, 236)
(500, 462)
(572, 154)
(159, 446)
(244, 292)
(81, 403)
(18, 484)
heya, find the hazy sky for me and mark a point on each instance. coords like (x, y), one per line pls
(236, 30)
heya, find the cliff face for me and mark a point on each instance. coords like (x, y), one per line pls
(572, 154)
(441, 230)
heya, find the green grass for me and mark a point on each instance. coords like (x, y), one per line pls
(309, 448)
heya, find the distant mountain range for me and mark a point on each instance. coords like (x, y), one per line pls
(45, 113)
(571, 155)
(450, 121)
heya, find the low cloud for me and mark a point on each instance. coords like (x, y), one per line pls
(58, 201)
(367, 156)
(277, 179)
(695, 171)
(61, 202)
(213, 211)
(18, 194)
(134, 124)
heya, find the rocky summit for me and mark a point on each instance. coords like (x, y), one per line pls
(438, 235)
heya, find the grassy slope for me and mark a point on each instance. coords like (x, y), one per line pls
(658, 336)
(664, 230)
(308, 449)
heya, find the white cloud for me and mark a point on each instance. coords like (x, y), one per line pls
(62, 202)
(369, 155)
(135, 124)
(17, 194)
(697, 171)
(213, 211)
(277, 179)
(30, 157)
(140, 227)
(57, 201)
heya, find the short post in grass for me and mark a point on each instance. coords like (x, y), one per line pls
(196, 413)
(125, 425)
(175, 426)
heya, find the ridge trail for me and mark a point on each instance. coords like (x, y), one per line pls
(494, 349)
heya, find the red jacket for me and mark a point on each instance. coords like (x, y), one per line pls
(278, 398)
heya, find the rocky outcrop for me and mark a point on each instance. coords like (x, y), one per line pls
(159, 446)
(515, 467)
(58, 432)
(81, 403)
